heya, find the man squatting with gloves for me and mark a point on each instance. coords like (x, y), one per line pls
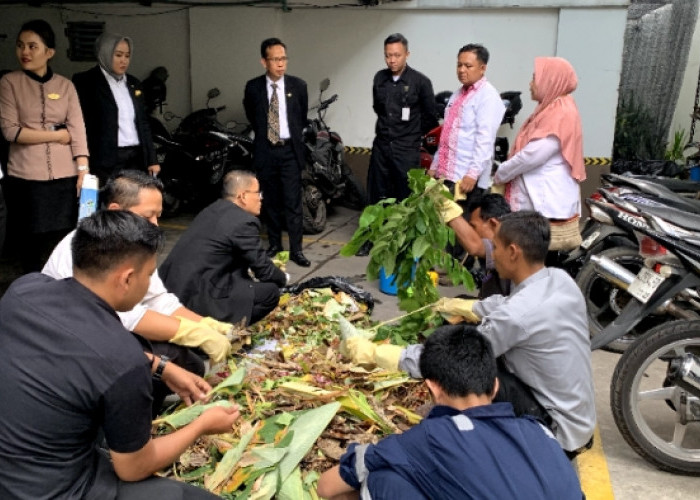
(159, 316)
(540, 333)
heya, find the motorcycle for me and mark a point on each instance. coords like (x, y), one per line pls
(655, 389)
(431, 140)
(197, 155)
(602, 237)
(326, 177)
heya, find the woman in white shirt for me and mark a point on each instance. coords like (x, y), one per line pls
(546, 163)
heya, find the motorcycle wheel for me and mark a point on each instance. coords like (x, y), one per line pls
(652, 415)
(354, 197)
(605, 301)
(314, 210)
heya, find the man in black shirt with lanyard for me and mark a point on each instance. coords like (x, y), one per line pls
(405, 105)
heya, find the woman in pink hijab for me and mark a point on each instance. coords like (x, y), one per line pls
(545, 165)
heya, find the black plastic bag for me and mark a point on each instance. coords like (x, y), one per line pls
(665, 168)
(335, 283)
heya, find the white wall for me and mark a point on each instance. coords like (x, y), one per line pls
(592, 40)
(159, 40)
(219, 46)
(347, 46)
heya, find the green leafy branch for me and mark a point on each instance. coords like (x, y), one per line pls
(409, 239)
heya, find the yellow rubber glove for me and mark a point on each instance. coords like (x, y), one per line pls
(219, 326)
(359, 350)
(366, 353)
(449, 210)
(498, 189)
(193, 334)
(386, 356)
(457, 307)
(459, 195)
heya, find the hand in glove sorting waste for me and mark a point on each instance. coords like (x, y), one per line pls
(219, 326)
(357, 346)
(193, 334)
(449, 308)
(366, 353)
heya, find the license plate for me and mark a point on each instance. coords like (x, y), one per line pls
(585, 244)
(645, 284)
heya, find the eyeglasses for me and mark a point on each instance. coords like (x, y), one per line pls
(259, 193)
(278, 59)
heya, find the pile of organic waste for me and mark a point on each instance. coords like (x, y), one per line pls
(301, 404)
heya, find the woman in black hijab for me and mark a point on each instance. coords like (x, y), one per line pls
(119, 137)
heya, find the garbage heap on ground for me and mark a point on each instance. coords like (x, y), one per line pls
(301, 404)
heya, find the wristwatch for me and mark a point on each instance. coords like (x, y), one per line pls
(158, 374)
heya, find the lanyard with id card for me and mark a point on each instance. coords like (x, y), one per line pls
(405, 110)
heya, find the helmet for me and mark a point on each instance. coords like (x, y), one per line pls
(513, 104)
(441, 100)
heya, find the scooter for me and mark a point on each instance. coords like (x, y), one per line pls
(326, 177)
(197, 156)
(599, 235)
(655, 389)
(616, 241)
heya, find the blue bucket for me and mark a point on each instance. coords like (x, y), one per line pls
(387, 284)
(695, 173)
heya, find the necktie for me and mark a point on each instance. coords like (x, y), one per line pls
(273, 117)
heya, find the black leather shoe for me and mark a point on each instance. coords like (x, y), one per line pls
(299, 259)
(364, 249)
(274, 250)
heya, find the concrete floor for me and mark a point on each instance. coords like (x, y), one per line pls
(615, 472)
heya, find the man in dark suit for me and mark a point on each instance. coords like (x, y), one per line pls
(119, 137)
(208, 267)
(276, 106)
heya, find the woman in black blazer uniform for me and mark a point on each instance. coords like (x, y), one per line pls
(115, 118)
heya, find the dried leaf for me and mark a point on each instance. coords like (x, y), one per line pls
(331, 448)
(226, 466)
(412, 417)
(267, 487)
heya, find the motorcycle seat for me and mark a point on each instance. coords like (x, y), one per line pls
(680, 218)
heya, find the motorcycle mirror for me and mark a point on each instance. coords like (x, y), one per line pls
(168, 115)
(212, 93)
(325, 83)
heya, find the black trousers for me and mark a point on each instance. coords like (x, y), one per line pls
(267, 296)
(280, 181)
(183, 357)
(513, 390)
(129, 158)
(152, 488)
(3, 220)
(389, 164)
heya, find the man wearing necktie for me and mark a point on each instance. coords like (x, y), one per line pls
(276, 105)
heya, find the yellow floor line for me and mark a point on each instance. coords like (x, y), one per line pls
(593, 471)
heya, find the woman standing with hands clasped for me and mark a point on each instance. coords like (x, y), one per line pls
(119, 136)
(546, 163)
(40, 115)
